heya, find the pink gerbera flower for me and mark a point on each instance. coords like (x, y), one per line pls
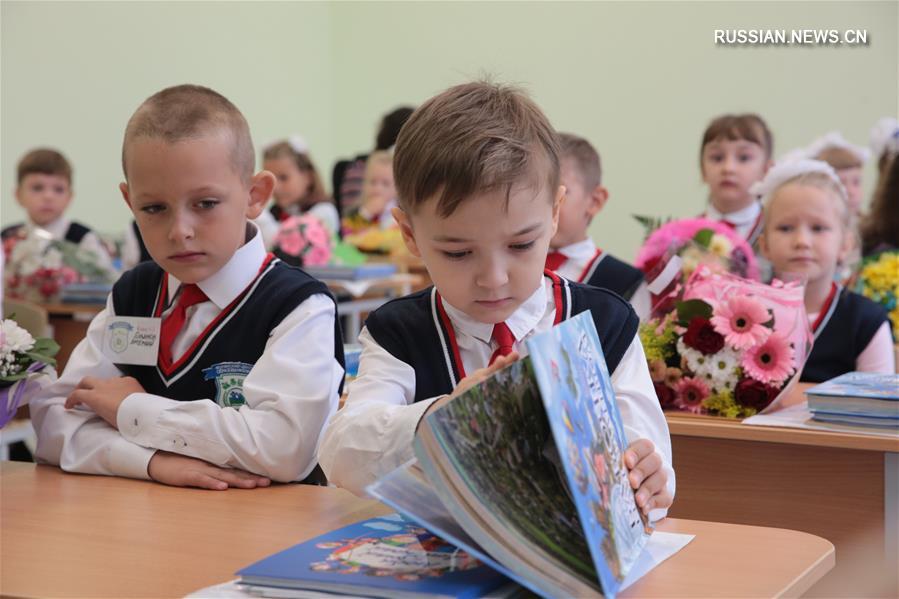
(690, 393)
(742, 322)
(771, 362)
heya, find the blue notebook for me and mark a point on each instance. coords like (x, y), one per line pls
(861, 394)
(380, 557)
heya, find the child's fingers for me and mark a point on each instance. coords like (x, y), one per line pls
(75, 398)
(202, 480)
(652, 487)
(88, 382)
(648, 466)
(236, 478)
(638, 450)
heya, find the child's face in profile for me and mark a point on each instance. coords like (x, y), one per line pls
(729, 168)
(804, 234)
(378, 188)
(852, 181)
(487, 257)
(291, 184)
(580, 206)
(190, 203)
(44, 197)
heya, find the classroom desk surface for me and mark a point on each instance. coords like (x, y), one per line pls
(74, 535)
(840, 486)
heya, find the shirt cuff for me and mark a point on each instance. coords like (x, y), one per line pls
(129, 460)
(138, 418)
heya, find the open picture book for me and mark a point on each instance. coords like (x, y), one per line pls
(526, 471)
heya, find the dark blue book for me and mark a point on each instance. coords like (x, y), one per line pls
(387, 556)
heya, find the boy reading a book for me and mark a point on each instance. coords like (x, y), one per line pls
(477, 175)
(247, 363)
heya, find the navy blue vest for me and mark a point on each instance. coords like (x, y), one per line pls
(412, 329)
(215, 365)
(75, 233)
(609, 272)
(843, 337)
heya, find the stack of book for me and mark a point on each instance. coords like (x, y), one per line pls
(857, 399)
(85, 293)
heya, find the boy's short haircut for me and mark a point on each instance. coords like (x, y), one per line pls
(473, 138)
(44, 161)
(187, 112)
(840, 158)
(585, 158)
(733, 127)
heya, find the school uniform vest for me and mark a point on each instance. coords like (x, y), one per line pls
(839, 340)
(215, 365)
(416, 330)
(609, 272)
(75, 233)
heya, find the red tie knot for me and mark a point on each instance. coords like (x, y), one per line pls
(504, 340)
(555, 259)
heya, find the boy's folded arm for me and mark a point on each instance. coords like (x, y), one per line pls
(79, 440)
(290, 393)
(641, 414)
(373, 433)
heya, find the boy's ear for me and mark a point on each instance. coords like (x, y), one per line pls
(19, 195)
(402, 219)
(557, 206)
(261, 186)
(598, 200)
(123, 187)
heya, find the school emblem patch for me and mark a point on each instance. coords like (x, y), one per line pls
(228, 377)
(119, 336)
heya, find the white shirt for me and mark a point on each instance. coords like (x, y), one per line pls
(290, 393)
(746, 221)
(90, 242)
(372, 434)
(580, 255)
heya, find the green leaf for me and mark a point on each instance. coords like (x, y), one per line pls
(690, 309)
(703, 237)
(45, 347)
(43, 359)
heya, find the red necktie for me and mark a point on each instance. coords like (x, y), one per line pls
(729, 224)
(190, 295)
(504, 339)
(555, 259)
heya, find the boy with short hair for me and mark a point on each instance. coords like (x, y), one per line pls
(573, 254)
(44, 191)
(249, 365)
(477, 173)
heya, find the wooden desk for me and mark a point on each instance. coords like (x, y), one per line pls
(73, 535)
(70, 322)
(839, 486)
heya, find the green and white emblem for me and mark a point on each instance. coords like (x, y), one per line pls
(228, 378)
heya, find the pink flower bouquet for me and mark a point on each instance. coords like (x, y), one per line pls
(695, 242)
(731, 346)
(303, 241)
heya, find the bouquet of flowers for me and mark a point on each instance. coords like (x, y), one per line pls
(303, 241)
(730, 347)
(878, 280)
(21, 359)
(38, 268)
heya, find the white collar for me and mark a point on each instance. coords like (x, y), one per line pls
(743, 216)
(235, 276)
(581, 251)
(57, 228)
(521, 322)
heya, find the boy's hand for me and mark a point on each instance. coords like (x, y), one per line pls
(103, 396)
(182, 471)
(475, 378)
(647, 475)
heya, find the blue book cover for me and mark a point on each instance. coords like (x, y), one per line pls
(867, 385)
(371, 270)
(529, 464)
(387, 556)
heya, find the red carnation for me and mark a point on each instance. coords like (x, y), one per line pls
(754, 394)
(665, 394)
(702, 336)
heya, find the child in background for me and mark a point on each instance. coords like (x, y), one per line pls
(884, 141)
(478, 179)
(378, 197)
(247, 365)
(847, 160)
(880, 228)
(298, 187)
(44, 190)
(735, 153)
(573, 254)
(806, 234)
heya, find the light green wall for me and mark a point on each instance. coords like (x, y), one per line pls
(639, 79)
